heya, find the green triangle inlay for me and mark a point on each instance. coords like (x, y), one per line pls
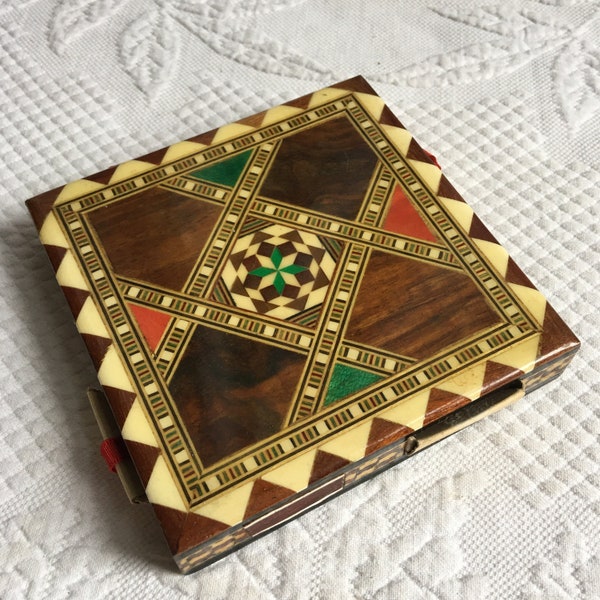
(226, 172)
(347, 380)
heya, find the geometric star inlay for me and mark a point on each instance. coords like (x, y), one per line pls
(278, 271)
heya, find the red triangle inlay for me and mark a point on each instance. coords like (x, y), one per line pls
(265, 494)
(197, 529)
(389, 118)
(155, 157)
(447, 190)
(204, 138)
(434, 160)
(415, 152)
(301, 102)
(120, 403)
(385, 432)
(186, 530)
(97, 347)
(151, 322)
(103, 177)
(479, 231)
(55, 254)
(325, 464)
(496, 375)
(144, 458)
(172, 522)
(404, 219)
(556, 337)
(355, 84)
(441, 403)
(76, 298)
(253, 120)
(515, 275)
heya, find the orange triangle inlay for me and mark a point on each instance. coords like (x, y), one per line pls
(152, 323)
(404, 219)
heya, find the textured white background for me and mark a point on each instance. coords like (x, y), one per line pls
(508, 98)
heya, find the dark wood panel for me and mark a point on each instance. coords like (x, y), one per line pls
(232, 391)
(325, 168)
(415, 309)
(156, 235)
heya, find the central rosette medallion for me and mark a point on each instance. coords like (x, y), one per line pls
(279, 271)
(279, 276)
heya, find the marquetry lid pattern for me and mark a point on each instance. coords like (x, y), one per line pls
(280, 298)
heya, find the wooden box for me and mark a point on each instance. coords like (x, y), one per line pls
(280, 308)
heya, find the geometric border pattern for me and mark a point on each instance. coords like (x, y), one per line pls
(149, 432)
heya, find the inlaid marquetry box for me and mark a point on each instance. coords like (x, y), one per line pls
(282, 307)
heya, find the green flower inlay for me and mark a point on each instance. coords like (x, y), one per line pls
(279, 282)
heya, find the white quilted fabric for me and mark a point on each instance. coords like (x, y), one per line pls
(507, 95)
